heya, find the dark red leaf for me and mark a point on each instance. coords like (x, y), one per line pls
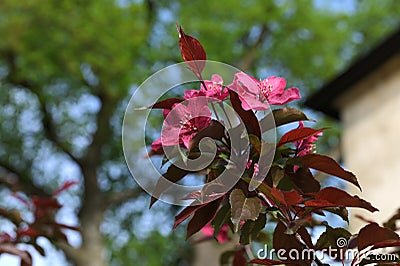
(283, 116)
(202, 217)
(214, 130)
(239, 258)
(26, 258)
(28, 232)
(374, 234)
(192, 51)
(65, 186)
(173, 174)
(304, 180)
(248, 117)
(334, 197)
(4, 237)
(184, 214)
(298, 134)
(287, 198)
(305, 236)
(166, 104)
(386, 244)
(327, 165)
(265, 262)
(281, 240)
(70, 227)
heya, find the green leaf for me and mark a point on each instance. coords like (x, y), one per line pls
(221, 218)
(242, 208)
(224, 258)
(333, 237)
(251, 229)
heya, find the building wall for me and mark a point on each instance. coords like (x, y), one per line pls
(371, 140)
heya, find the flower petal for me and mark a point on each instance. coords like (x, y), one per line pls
(285, 97)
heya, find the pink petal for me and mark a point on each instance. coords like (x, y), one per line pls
(207, 230)
(248, 82)
(278, 84)
(192, 93)
(156, 145)
(285, 97)
(217, 78)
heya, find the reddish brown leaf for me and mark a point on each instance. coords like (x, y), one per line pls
(26, 258)
(214, 130)
(184, 214)
(288, 243)
(334, 197)
(192, 51)
(298, 134)
(265, 262)
(287, 198)
(70, 227)
(304, 180)
(327, 165)
(281, 240)
(164, 104)
(373, 234)
(248, 117)
(305, 236)
(28, 232)
(386, 244)
(173, 174)
(202, 217)
(283, 116)
(239, 258)
(65, 186)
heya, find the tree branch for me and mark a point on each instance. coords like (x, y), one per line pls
(47, 121)
(16, 181)
(248, 59)
(120, 197)
(70, 252)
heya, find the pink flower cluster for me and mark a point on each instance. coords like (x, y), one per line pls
(186, 119)
(307, 145)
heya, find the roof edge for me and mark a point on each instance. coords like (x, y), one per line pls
(323, 99)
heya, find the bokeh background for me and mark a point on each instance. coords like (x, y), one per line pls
(68, 69)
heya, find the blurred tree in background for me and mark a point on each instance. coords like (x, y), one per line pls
(68, 68)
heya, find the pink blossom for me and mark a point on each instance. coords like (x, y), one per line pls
(156, 146)
(257, 95)
(214, 89)
(307, 145)
(184, 121)
(222, 236)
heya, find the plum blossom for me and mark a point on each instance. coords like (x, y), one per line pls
(306, 146)
(214, 89)
(258, 95)
(184, 121)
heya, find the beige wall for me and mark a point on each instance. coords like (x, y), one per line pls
(371, 139)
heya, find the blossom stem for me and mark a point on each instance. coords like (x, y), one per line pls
(215, 112)
(226, 114)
